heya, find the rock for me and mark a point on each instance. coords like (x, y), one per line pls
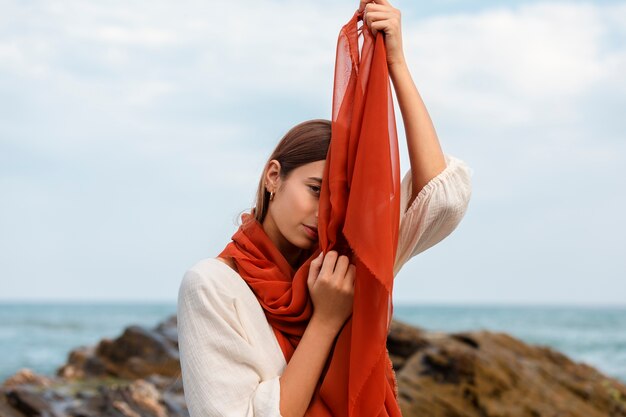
(137, 353)
(479, 374)
(34, 400)
(26, 376)
(464, 374)
(404, 340)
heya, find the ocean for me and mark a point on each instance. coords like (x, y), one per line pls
(40, 336)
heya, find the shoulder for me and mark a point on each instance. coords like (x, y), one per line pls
(208, 275)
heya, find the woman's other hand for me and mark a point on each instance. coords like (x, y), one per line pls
(331, 286)
(380, 15)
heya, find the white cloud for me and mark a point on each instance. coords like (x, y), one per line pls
(163, 103)
(142, 36)
(517, 66)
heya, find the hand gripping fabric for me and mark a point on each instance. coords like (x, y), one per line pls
(358, 217)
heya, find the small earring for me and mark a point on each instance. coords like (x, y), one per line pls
(271, 195)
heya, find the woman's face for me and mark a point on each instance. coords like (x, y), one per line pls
(293, 208)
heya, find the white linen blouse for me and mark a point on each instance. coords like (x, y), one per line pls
(230, 359)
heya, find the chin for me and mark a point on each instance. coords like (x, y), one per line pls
(306, 243)
(312, 244)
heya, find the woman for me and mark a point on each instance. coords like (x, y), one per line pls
(232, 362)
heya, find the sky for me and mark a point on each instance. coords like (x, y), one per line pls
(133, 134)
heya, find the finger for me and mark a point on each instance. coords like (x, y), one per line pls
(362, 5)
(342, 266)
(384, 2)
(373, 7)
(314, 268)
(371, 17)
(350, 276)
(379, 25)
(329, 263)
(387, 17)
(378, 15)
(316, 263)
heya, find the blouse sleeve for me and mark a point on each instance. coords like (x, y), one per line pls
(219, 366)
(436, 210)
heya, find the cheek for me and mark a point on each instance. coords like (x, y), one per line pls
(298, 202)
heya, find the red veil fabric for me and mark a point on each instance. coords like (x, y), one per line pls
(359, 210)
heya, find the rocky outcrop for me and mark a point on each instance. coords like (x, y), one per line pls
(468, 374)
(136, 374)
(482, 373)
(137, 353)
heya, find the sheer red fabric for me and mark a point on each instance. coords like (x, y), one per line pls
(359, 210)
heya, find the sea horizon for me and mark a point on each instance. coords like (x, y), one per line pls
(39, 335)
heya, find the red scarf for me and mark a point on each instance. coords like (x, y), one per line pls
(358, 217)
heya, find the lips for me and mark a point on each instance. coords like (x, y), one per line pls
(311, 231)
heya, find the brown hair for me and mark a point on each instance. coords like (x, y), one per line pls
(304, 143)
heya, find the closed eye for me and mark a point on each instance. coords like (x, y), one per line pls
(315, 188)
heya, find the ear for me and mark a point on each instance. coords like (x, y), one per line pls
(272, 175)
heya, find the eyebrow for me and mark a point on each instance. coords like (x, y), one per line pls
(315, 179)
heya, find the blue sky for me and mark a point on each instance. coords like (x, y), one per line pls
(132, 134)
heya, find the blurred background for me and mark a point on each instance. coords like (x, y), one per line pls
(132, 134)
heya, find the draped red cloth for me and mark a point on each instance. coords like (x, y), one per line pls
(359, 209)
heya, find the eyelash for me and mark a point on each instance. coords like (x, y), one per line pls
(313, 187)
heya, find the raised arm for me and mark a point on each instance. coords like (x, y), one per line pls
(425, 154)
